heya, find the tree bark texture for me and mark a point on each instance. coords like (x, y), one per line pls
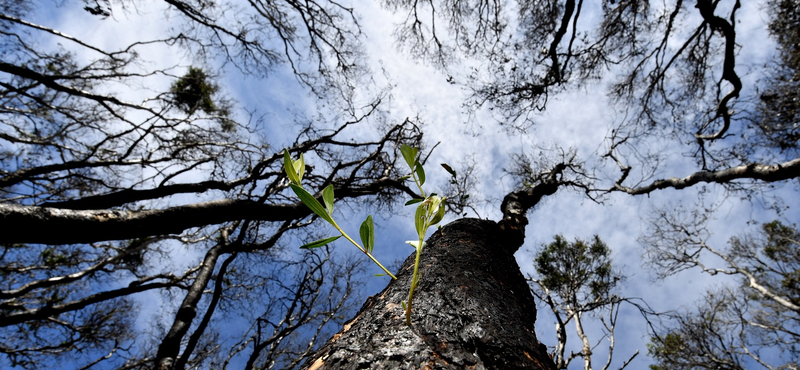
(472, 310)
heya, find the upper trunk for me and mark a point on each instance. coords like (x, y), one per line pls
(472, 310)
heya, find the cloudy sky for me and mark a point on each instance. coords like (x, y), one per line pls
(580, 119)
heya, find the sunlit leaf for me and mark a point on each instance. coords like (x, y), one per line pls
(419, 220)
(311, 203)
(327, 197)
(433, 204)
(414, 201)
(404, 178)
(449, 169)
(439, 214)
(300, 167)
(288, 166)
(409, 154)
(420, 173)
(320, 243)
(367, 232)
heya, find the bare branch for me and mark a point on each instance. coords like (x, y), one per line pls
(768, 173)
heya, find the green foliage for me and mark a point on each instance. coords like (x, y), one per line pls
(410, 155)
(705, 339)
(671, 345)
(430, 211)
(311, 202)
(782, 247)
(732, 324)
(773, 258)
(579, 269)
(779, 103)
(449, 169)
(320, 243)
(781, 242)
(367, 233)
(327, 197)
(194, 91)
(295, 169)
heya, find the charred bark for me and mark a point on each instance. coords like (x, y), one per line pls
(472, 310)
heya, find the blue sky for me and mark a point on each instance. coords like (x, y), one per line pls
(580, 119)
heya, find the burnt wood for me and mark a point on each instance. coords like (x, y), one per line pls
(472, 310)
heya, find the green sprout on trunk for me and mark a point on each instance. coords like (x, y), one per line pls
(430, 212)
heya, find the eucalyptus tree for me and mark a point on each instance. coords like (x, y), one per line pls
(575, 281)
(755, 324)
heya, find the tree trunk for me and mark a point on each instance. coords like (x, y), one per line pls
(472, 310)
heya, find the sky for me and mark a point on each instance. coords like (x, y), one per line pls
(580, 119)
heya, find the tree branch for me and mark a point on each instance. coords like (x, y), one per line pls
(66, 226)
(706, 8)
(768, 173)
(515, 205)
(55, 310)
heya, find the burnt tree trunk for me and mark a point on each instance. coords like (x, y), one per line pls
(472, 309)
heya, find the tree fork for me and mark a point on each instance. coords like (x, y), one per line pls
(473, 310)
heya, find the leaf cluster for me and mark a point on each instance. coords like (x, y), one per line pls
(578, 269)
(295, 169)
(757, 320)
(194, 91)
(430, 211)
(779, 102)
(782, 248)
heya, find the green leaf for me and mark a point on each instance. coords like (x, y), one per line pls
(288, 166)
(409, 154)
(300, 166)
(420, 173)
(320, 243)
(419, 220)
(327, 197)
(433, 204)
(311, 203)
(439, 213)
(449, 169)
(414, 201)
(367, 232)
